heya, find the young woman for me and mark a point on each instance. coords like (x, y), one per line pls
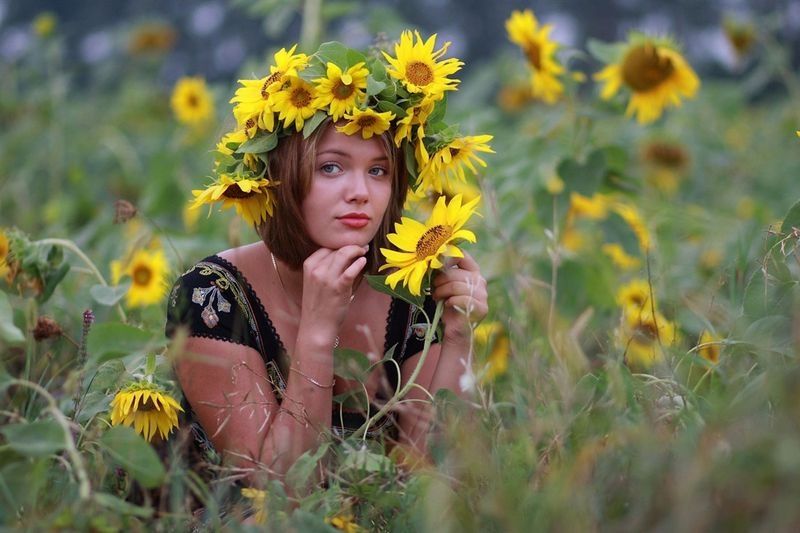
(264, 319)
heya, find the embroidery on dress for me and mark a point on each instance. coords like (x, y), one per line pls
(209, 316)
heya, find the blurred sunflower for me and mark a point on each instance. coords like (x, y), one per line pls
(666, 163)
(151, 38)
(44, 24)
(524, 30)
(191, 101)
(148, 271)
(258, 503)
(251, 198)
(514, 97)
(4, 248)
(449, 162)
(643, 335)
(368, 121)
(620, 257)
(295, 102)
(634, 294)
(491, 338)
(146, 408)
(344, 522)
(424, 246)
(741, 36)
(708, 347)
(418, 67)
(341, 91)
(633, 218)
(593, 208)
(656, 75)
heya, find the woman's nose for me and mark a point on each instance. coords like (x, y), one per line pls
(357, 187)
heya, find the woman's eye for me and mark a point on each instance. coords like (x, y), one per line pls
(378, 171)
(329, 168)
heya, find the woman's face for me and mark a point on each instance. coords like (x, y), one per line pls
(350, 190)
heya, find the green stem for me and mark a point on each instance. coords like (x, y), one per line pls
(312, 25)
(84, 488)
(71, 246)
(437, 315)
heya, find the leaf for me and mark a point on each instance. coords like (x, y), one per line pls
(35, 439)
(586, 177)
(792, 219)
(385, 105)
(605, 52)
(114, 339)
(337, 53)
(363, 460)
(350, 364)
(439, 110)
(300, 472)
(131, 452)
(109, 294)
(378, 283)
(263, 142)
(313, 123)
(109, 501)
(8, 331)
(374, 87)
(52, 279)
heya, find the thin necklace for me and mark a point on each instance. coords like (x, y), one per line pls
(286, 293)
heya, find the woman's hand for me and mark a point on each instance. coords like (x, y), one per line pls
(463, 290)
(328, 278)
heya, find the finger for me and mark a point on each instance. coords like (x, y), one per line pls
(318, 255)
(457, 288)
(465, 304)
(466, 263)
(448, 276)
(353, 270)
(343, 258)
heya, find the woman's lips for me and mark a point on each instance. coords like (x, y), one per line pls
(354, 221)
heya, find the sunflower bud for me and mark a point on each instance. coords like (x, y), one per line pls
(123, 211)
(46, 328)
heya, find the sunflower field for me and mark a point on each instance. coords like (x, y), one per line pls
(637, 222)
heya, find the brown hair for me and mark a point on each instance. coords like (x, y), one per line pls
(291, 163)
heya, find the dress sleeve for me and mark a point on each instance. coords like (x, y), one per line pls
(209, 302)
(417, 327)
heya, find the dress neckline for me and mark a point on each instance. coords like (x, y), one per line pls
(274, 332)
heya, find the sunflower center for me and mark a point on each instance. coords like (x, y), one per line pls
(300, 97)
(534, 54)
(667, 155)
(147, 405)
(431, 240)
(419, 73)
(367, 121)
(272, 78)
(141, 275)
(646, 331)
(236, 192)
(342, 91)
(644, 69)
(192, 100)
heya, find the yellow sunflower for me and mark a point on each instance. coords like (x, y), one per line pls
(424, 246)
(258, 503)
(450, 160)
(369, 122)
(295, 103)
(4, 247)
(416, 116)
(148, 271)
(251, 198)
(643, 335)
(633, 218)
(593, 208)
(237, 137)
(620, 257)
(657, 76)
(418, 67)
(192, 101)
(708, 346)
(634, 294)
(524, 30)
(44, 24)
(342, 91)
(492, 339)
(344, 522)
(146, 408)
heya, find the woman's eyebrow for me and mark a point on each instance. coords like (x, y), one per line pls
(347, 155)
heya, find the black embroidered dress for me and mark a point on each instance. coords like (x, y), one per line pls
(213, 299)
